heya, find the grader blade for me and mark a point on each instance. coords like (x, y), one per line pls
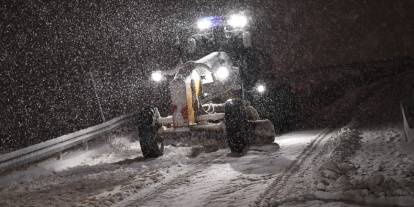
(260, 132)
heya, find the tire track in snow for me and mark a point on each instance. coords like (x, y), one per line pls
(225, 182)
(154, 191)
(243, 189)
(238, 192)
(273, 189)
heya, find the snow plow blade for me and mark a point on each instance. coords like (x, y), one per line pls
(261, 132)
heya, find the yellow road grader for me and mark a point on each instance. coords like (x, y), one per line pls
(207, 95)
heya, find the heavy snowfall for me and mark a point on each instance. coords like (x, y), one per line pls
(335, 80)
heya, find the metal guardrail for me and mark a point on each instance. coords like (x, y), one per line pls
(52, 147)
(408, 129)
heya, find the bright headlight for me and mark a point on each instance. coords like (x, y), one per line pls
(237, 21)
(222, 73)
(204, 23)
(261, 88)
(157, 76)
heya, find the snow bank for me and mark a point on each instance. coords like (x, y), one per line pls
(359, 167)
(117, 149)
(332, 173)
(367, 167)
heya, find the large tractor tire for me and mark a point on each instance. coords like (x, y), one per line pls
(237, 129)
(151, 145)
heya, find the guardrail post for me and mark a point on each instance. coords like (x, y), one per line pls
(408, 131)
(85, 145)
(59, 156)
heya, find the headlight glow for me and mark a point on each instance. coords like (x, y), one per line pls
(261, 88)
(157, 76)
(204, 23)
(237, 21)
(222, 73)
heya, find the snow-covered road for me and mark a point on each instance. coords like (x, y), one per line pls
(113, 175)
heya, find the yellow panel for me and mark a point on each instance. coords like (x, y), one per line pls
(198, 87)
(190, 109)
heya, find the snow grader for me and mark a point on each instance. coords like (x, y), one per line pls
(208, 95)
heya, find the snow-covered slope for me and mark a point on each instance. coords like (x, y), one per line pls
(360, 167)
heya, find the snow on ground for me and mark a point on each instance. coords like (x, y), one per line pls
(98, 177)
(347, 167)
(361, 167)
(295, 141)
(382, 161)
(118, 149)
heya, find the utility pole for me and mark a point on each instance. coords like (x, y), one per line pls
(96, 95)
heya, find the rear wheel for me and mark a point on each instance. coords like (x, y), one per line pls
(236, 126)
(151, 145)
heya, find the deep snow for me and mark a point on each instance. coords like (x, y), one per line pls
(303, 172)
(361, 167)
(98, 175)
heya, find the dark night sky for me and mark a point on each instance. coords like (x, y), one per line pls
(48, 48)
